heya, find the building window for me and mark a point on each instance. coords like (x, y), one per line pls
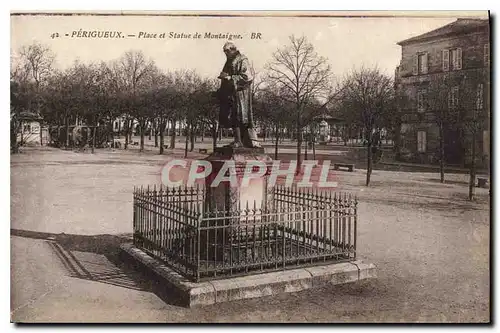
(479, 97)
(405, 128)
(446, 60)
(421, 101)
(421, 141)
(27, 128)
(456, 59)
(420, 65)
(487, 54)
(453, 98)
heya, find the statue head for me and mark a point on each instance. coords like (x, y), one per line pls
(230, 49)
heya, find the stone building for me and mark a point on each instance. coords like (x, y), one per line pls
(443, 81)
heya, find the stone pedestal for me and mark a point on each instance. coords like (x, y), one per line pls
(231, 198)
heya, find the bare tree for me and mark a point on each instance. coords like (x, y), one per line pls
(472, 109)
(99, 97)
(435, 99)
(272, 109)
(304, 76)
(61, 104)
(31, 69)
(133, 68)
(208, 106)
(366, 95)
(37, 60)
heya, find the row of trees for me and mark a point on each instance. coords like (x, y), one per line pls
(296, 86)
(131, 87)
(454, 104)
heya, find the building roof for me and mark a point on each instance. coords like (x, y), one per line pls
(327, 117)
(460, 26)
(27, 115)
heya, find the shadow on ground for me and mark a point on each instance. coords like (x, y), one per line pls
(99, 258)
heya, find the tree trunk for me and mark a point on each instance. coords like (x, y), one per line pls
(369, 159)
(188, 127)
(215, 134)
(306, 141)
(131, 129)
(150, 130)
(127, 129)
(299, 152)
(156, 129)
(172, 138)
(13, 136)
(94, 134)
(142, 127)
(314, 148)
(472, 180)
(276, 143)
(162, 135)
(441, 152)
(67, 132)
(202, 133)
(41, 135)
(22, 134)
(192, 137)
(112, 130)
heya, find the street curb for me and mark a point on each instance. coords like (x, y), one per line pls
(259, 285)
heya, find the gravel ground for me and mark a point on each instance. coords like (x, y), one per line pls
(430, 246)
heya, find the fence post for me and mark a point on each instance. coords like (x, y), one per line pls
(134, 218)
(355, 223)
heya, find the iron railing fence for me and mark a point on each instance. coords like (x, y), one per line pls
(298, 228)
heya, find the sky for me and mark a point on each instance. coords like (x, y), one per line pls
(347, 42)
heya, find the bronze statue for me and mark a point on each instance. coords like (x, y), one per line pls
(235, 98)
